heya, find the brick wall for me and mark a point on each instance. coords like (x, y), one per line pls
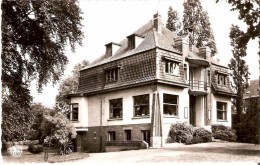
(95, 138)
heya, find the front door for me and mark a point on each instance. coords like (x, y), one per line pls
(193, 110)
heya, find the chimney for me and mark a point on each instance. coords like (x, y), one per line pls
(111, 49)
(205, 52)
(157, 22)
(182, 44)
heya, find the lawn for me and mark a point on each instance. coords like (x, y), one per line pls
(28, 157)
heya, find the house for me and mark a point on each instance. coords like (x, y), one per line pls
(142, 85)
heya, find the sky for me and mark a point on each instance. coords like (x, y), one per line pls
(113, 20)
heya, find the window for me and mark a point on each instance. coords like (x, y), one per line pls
(221, 79)
(221, 110)
(172, 67)
(116, 108)
(141, 105)
(146, 136)
(127, 135)
(111, 75)
(170, 104)
(74, 112)
(111, 136)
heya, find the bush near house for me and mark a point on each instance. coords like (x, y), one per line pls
(186, 133)
(224, 133)
(181, 132)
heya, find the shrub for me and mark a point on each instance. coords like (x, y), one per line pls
(227, 135)
(181, 132)
(216, 127)
(65, 147)
(202, 134)
(35, 149)
(58, 131)
(194, 140)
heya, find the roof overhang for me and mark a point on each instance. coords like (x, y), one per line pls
(197, 61)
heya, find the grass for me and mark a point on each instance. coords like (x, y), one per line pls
(28, 157)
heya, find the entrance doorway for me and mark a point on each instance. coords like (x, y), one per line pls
(193, 110)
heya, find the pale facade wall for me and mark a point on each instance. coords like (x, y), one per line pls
(225, 99)
(183, 101)
(94, 107)
(200, 109)
(83, 111)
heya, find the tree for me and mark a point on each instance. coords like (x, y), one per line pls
(196, 22)
(69, 86)
(249, 12)
(34, 37)
(16, 121)
(239, 70)
(173, 22)
(38, 111)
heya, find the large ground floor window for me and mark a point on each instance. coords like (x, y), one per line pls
(141, 105)
(170, 104)
(221, 110)
(116, 108)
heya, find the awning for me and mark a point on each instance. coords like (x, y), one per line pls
(81, 128)
(198, 61)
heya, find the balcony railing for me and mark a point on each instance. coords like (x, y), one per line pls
(198, 85)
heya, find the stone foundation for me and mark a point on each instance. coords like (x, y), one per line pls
(156, 142)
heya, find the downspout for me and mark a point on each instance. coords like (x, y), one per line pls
(100, 127)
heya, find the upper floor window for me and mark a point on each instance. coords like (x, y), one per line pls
(170, 104)
(221, 110)
(222, 79)
(141, 105)
(116, 108)
(172, 67)
(111, 75)
(74, 113)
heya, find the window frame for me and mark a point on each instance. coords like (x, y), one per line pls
(111, 109)
(111, 136)
(135, 105)
(128, 134)
(224, 82)
(170, 104)
(72, 111)
(111, 75)
(170, 67)
(222, 111)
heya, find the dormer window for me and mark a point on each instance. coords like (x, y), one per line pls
(131, 42)
(111, 75)
(134, 41)
(172, 67)
(222, 79)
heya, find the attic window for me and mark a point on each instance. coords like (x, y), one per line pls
(222, 79)
(172, 67)
(111, 75)
(131, 42)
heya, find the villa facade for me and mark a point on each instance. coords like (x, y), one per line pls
(142, 85)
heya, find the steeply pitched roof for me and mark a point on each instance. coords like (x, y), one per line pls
(152, 39)
(253, 89)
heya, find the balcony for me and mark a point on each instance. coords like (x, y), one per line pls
(198, 88)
